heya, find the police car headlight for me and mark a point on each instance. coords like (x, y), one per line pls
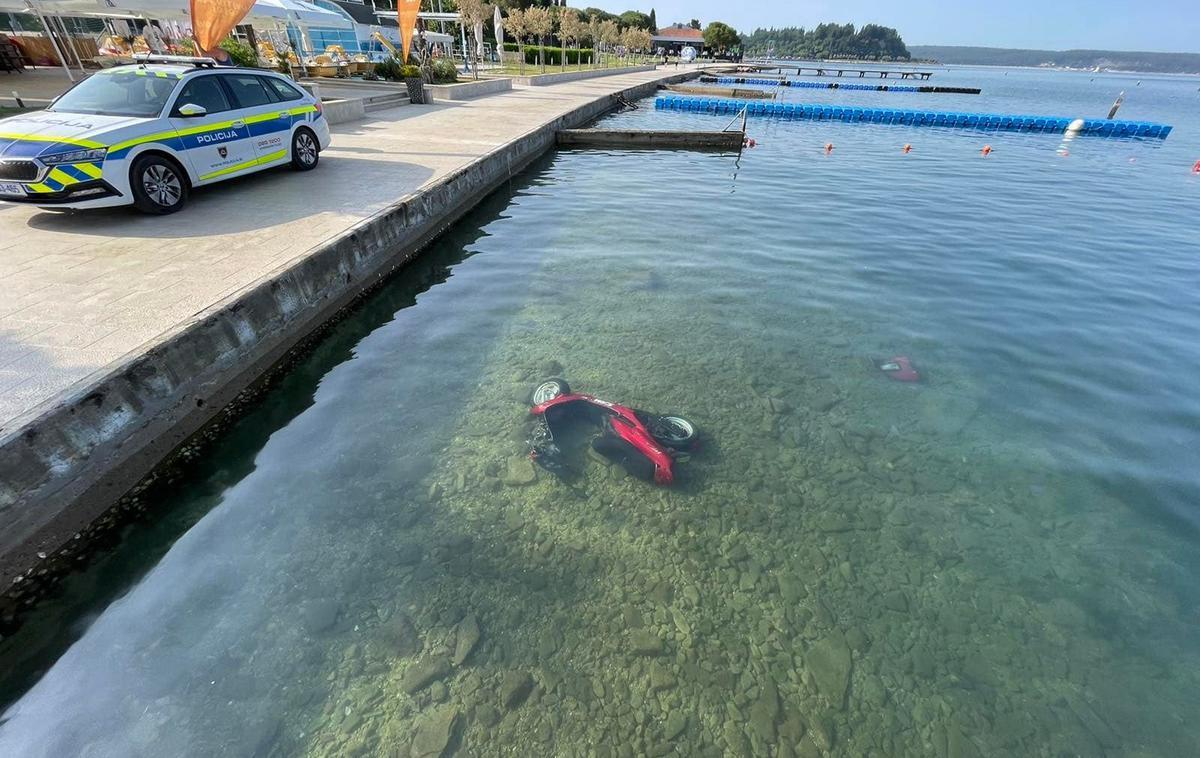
(75, 156)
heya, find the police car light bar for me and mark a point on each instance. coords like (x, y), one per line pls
(192, 59)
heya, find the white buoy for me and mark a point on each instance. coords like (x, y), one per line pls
(1075, 127)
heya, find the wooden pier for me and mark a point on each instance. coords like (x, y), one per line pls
(837, 70)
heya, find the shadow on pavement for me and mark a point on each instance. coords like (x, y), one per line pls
(343, 184)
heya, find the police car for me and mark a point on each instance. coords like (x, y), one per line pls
(146, 133)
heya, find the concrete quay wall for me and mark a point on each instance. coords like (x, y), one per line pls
(64, 466)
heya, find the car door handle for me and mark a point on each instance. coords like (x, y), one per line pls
(238, 124)
(284, 114)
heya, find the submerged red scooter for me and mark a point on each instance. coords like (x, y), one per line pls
(644, 444)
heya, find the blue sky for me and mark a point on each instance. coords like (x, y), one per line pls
(1165, 25)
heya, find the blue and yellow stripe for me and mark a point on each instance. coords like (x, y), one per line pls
(61, 177)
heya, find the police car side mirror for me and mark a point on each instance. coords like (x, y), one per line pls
(191, 110)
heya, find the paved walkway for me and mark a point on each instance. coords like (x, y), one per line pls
(82, 290)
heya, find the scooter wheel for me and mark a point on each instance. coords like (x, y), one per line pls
(674, 431)
(548, 390)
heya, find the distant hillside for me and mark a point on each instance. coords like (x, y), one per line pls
(1166, 63)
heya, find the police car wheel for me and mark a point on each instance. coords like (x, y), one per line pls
(306, 151)
(159, 185)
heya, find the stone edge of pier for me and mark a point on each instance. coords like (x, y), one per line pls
(66, 463)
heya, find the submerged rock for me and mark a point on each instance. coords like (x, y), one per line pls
(400, 635)
(645, 642)
(466, 638)
(661, 677)
(433, 732)
(829, 662)
(896, 601)
(763, 713)
(487, 715)
(519, 471)
(320, 615)
(676, 723)
(424, 672)
(515, 686)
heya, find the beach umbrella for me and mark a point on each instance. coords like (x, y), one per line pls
(479, 39)
(498, 22)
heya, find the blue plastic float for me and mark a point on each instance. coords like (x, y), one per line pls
(1097, 127)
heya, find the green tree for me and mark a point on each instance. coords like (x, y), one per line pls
(571, 29)
(695, 23)
(517, 26)
(720, 36)
(541, 25)
(653, 22)
(596, 13)
(636, 19)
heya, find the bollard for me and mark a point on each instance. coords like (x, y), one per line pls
(17, 97)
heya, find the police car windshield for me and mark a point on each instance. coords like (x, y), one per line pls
(129, 92)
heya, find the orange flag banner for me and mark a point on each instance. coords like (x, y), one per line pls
(213, 20)
(406, 16)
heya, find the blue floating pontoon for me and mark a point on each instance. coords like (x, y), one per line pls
(1097, 127)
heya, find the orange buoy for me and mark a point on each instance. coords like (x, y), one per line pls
(987, 150)
(828, 147)
(1196, 168)
(751, 142)
(908, 148)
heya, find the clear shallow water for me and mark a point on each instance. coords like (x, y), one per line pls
(999, 561)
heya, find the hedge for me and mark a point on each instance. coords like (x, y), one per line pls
(553, 54)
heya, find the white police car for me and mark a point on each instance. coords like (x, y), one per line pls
(147, 133)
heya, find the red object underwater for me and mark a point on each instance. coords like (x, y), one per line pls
(899, 368)
(644, 444)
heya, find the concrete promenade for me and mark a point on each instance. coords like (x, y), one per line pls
(82, 290)
(122, 334)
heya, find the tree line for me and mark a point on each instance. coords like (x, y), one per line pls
(630, 18)
(871, 42)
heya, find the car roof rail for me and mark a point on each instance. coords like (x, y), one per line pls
(196, 60)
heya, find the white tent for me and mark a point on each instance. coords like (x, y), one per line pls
(158, 9)
(268, 11)
(297, 12)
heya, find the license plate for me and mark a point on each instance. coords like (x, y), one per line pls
(11, 188)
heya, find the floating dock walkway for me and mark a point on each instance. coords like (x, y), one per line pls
(838, 85)
(829, 70)
(734, 92)
(654, 140)
(990, 121)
